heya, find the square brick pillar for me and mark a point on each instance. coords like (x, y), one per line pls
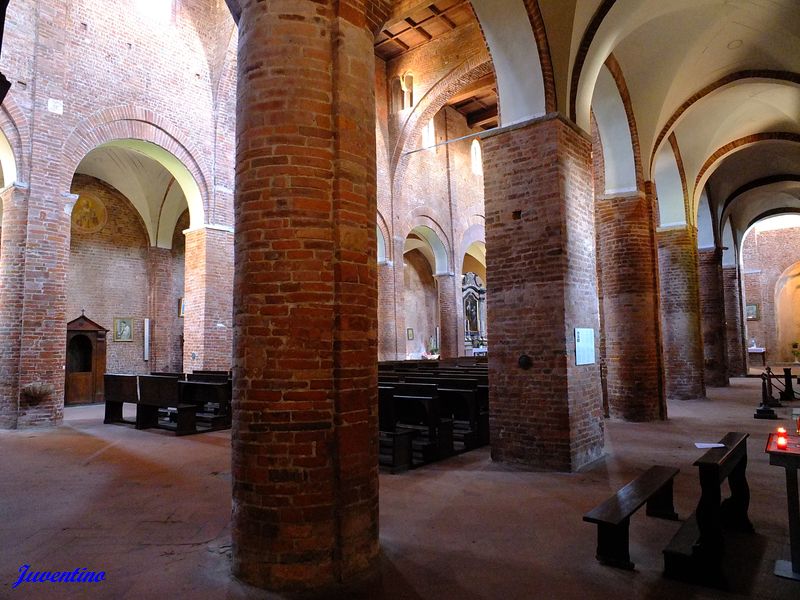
(712, 308)
(305, 423)
(540, 229)
(208, 312)
(680, 313)
(12, 286)
(628, 262)
(737, 357)
(449, 329)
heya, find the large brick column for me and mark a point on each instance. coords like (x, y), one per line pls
(207, 327)
(449, 329)
(737, 358)
(712, 307)
(305, 432)
(627, 255)
(12, 284)
(540, 228)
(680, 313)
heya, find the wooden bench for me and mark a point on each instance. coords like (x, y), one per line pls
(119, 389)
(395, 450)
(160, 393)
(653, 487)
(695, 553)
(213, 400)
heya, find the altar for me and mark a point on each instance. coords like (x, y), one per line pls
(758, 351)
(784, 451)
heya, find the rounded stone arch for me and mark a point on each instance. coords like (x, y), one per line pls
(731, 79)
(431, 232)
(14, 139)
(716, 158)
(474, 233)
(151, 135)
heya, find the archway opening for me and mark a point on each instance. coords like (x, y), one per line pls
(423, 255)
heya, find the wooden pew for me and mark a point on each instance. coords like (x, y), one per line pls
(213, 399)
(461, 406)
(613, 516)
(159, 393)
(695, 553)
(394, 446)
(119, 389)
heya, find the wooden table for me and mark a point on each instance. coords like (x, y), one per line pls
(789, 459)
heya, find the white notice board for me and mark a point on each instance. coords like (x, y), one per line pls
(584, 346)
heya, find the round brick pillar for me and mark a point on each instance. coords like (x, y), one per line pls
(627, 254)
(680, 313)
(305, 427)
(712, 305)
(12, 286)
(737, 356)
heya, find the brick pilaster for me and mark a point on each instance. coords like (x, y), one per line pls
(12, 285)
(737, 358)
(305, 445)
(449, 329)
(712, 306)
(43, 320)
(161, 309)
(387, 314)
(540, 229)
(680, 313)
(630, 307)
(208, 333)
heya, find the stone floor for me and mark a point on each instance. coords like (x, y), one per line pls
(152, 511)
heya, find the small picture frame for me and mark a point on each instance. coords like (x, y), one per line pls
(123, 329)
(181, 307)
(410, 333)
(752, 312)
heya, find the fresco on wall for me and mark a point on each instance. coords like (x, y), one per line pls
(89, 214)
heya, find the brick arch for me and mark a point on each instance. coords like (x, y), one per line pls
(14, 126)
(773, 212)
(619, 78)
(128, 122)
(786, 76)
(583, 50)
(432, 102)
(720, 153)
(387, 236)
(545, 59)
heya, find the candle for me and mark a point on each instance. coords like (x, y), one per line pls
(782, 443)
(781, 431)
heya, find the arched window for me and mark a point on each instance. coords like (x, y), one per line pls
(160, 11)
(476, 155)
(407, 81)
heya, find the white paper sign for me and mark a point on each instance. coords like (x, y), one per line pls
(584, 346)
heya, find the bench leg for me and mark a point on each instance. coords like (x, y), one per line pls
(661, 504)
(146, 416)
(734, 509)
(612, 545)
(113, 412)
(187, 421)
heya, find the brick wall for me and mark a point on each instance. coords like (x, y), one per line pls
(766, 256)
(680, 313)
(108, 274)
(420, 302)
(540, 232)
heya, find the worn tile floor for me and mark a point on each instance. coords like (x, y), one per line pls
(152, 511)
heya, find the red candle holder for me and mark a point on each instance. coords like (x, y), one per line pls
(781, 431)
(782, 443)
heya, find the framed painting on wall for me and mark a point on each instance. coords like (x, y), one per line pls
(123, 329)
(751, 312)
